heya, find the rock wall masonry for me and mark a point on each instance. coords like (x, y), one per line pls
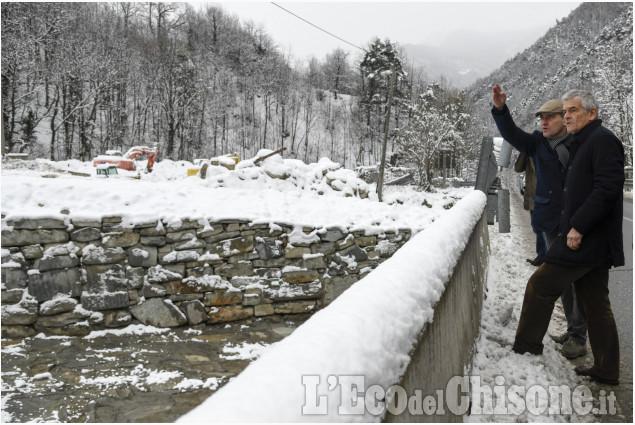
(72, 276)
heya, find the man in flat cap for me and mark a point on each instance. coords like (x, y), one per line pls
(549, 150)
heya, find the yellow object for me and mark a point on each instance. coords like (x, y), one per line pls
(192, 171)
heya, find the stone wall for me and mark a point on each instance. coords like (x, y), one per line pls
(72, 276)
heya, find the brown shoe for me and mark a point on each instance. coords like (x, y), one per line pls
(590, 372)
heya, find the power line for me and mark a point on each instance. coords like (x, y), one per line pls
(321, 29)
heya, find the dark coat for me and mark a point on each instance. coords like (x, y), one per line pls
(549, 171)
(593, 201)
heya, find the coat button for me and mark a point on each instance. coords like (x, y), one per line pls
(565, 189)
(559, 234)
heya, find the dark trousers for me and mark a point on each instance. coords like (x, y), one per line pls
(576, 325)
(591, 287)
(541, 245)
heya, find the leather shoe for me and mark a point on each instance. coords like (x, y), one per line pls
(590, 372)
(535, 262)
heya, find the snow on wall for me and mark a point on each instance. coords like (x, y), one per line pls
(369, 330)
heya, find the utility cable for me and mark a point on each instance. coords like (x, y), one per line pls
(321, 29)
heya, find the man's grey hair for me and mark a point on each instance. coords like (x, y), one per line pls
(586, 97)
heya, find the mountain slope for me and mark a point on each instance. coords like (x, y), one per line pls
(591, 49)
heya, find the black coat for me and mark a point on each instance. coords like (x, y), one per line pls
(593, 200)
(550, 174)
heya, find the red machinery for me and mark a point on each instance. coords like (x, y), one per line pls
(129, 160)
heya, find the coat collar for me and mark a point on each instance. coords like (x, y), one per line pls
(586, 131)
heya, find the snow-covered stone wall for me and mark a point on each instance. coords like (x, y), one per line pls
(94, 274)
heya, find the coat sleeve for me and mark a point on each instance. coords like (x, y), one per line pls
(608, 182)
(521, 140)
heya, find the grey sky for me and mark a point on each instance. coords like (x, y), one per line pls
(403, 22)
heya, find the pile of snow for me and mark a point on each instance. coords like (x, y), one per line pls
(369, 330)
(324, 177)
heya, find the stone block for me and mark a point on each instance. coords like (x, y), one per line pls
(105, 278)
(332, 234)
(160, 274)
(199, 271)
(186, 297)
(278, 262)
(335, 286)
(314, 262)
(193, 285)
(154, 231)
(86, 234)
(243, 268)
(117, 318)
(33, 237)
(178, 257)
(364, 241)
(12, 296)
(296, 251)
(153, 290)
(63, 319)
(180, 236)
(17, 332)
(242, 257)
(32, 252)
(235, 246)
(223, 297)
(221, 236)
(300, 276)
(193, 243)
(153, 240)
(46, 286)
(178, 268)
(48, 263)
(326, 248)
(57, 306)
(144, 256)
(294, 307)
(229, 314)
(269, 249)
(159, 313)
(263, 310)
(14, 278)
(356, 252)
(23, 313)
(194, 312)
(120, 239)
(183, 224)
(109, 301)
(252, 299)
(150, 224)
(135, 277)
(95, 255)
(349, 241)
(37, 223)
(77, 223)
(210, 231)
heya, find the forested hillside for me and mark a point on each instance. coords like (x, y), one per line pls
(591, 49)
(81, 78)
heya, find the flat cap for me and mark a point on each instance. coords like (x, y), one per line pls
(554, 106)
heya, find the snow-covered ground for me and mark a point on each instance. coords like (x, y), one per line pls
(304, 194)
(317, 194)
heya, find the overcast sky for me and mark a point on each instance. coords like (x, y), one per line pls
(403, 22)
